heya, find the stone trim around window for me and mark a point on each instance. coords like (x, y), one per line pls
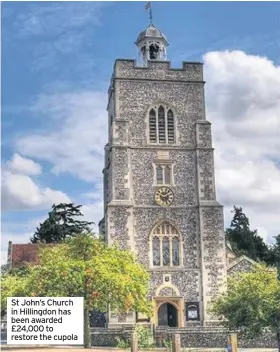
(165, 246)
(161, 125)
(163, 173)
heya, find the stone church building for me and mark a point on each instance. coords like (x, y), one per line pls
(159, 188)
(159, 183)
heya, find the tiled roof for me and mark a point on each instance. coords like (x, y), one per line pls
(26, 253)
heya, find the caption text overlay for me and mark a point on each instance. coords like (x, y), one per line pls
(45, 320)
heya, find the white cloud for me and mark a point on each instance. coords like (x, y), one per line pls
(24, 166)
(243, 103)
(76, 143)
(21, 192)
(93, 212)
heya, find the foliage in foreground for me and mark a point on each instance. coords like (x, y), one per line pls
(84, 267)
(121, 343)
(252, 303)
(145, 337)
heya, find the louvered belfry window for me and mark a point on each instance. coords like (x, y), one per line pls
(161, 126)
(153, 126)
(170, 126)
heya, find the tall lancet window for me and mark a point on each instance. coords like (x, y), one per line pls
(170, 126)
(161, 125)
(165, 245)
(156, 251)
(153, 126)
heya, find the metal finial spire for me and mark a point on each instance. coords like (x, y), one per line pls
(148, 6)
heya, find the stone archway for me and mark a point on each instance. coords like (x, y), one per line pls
(167, 315)
(174, 307)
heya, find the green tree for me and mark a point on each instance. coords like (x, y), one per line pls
(85, 267)
(252, 303)
(275, 249)
(244, 241)
(61, 224)
(5, 268)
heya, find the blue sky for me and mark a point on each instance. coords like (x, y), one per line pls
(57, 59)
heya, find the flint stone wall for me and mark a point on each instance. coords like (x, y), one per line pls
(200, 338)
(131, 211)
(244, 266)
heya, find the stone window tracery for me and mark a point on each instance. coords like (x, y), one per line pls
(161, 125)
(165, 245)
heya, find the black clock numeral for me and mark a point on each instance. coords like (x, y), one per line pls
(164, 196)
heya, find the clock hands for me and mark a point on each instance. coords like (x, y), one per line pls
(164, 196)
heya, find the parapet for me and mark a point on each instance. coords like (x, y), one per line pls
(158, 70)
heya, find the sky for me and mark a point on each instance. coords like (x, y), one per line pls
(57, 60)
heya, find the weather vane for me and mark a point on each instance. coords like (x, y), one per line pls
(149, 7)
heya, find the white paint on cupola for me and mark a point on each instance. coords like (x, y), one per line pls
(152, 44)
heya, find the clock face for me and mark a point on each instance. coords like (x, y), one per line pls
(164, 196)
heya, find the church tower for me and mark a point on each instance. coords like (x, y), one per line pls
(159, 185)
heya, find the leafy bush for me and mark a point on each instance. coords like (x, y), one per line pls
(121, 343)
(167, 343)
(145, 337)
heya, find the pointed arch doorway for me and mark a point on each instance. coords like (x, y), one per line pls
(168, 310)
(168, 315)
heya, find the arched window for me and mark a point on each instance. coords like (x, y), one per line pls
(170, 126)
(165, 245)
(153, 51)
(161, 125)
(153, 126)
(156, 251)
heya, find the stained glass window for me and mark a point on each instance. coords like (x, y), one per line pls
(175, 251)
(156, 251)
(166, 245)
(165, 251)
